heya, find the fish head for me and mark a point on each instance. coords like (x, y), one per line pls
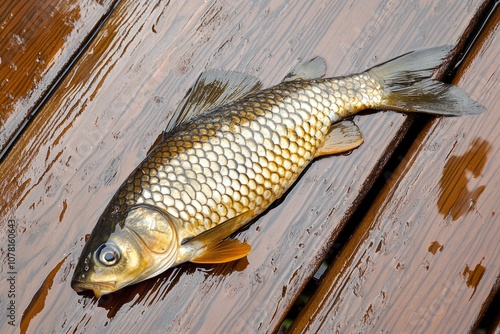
(141, 243)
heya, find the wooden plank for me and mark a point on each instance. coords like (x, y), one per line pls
(117, 100)
(37, 40)
(426, 257)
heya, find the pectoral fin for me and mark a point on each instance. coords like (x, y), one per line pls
(343, 137)
(212, 246)
(225, 251)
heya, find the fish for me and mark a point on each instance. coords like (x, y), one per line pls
(234, 149)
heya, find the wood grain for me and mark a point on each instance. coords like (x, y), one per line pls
(119, 97)
(37, 41)
(426, 257)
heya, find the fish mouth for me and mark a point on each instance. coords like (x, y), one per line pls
(99, 288)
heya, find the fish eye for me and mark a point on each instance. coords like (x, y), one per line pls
(108, 254)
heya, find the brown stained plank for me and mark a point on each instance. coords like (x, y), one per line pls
(117, 100)
(425, 259)
(37, 40)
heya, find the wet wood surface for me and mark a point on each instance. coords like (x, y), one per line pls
(426, 256)
(119, 96)
(38, 40)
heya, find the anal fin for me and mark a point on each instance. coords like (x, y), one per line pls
(344, 136)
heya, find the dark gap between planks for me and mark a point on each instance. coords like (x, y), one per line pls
(487, 321)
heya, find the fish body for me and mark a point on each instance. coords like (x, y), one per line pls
(226, 161)
(244, 155)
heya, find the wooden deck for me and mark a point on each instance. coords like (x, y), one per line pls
(87, 87)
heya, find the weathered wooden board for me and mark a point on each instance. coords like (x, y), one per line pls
(119, 97)
(426, 259)
(37, 40)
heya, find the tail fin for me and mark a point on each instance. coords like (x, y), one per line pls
(409, 87)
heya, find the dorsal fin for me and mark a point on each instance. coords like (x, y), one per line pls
(213, 89)
(307, 70)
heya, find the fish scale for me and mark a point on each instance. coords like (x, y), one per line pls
(245, 155)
